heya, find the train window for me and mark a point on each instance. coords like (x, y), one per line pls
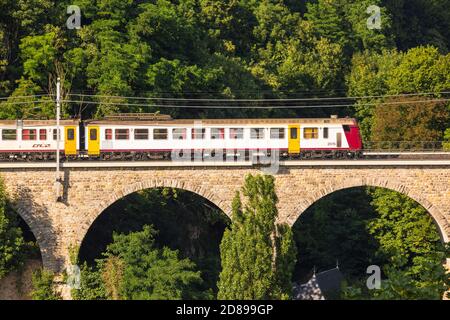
(54, 134)
(311, 133)
(256, 133)
(141, 134)
(276, 133)
(179, 134)
(160, 134)
(198, 133)
(293, 133)
(9, 134)
(236, 133)
(42, 134)
(217, 133)
(70, 134)
(29, 134)
(346, 128)
(108, 134)
(325, 133)
(122, 134)
(93, 134)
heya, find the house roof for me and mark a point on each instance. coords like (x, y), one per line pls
(321, 286)
(309, 290)
(330, 280)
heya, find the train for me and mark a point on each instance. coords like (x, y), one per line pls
(156, 136)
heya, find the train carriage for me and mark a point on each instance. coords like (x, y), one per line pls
(37, 139)
(143, 139)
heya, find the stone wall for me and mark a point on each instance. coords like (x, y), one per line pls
(87, 192)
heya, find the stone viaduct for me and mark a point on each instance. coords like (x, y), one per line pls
(87, 191)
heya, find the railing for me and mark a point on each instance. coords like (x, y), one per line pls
(407, 146)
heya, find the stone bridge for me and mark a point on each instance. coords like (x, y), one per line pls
(88, 190)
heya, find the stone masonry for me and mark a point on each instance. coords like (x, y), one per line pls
(87, 192)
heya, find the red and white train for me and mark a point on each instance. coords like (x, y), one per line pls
(150, 136)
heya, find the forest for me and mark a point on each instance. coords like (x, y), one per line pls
(396, 81)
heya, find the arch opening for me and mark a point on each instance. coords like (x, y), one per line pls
(183, 220)
(24, 255)
(438, 218)
(349, 229)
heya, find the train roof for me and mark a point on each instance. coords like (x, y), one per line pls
(188, 122)
(38, 123)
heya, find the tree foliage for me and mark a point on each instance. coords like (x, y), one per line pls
(133, 268)
(374, 226)
(405, 231)
(185, 222)
(257, 253)
(12, 243)
(419, 70)
(44, 286)
(237, 49)
(144, 272)
(92, 286)
(407, 120)
(205, 48)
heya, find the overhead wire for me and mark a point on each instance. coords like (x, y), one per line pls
(259, 100)
(230, 103)
(248, 107)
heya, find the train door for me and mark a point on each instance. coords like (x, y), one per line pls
(70, 144)
(339, 140)
(294, 139)
(93, 141)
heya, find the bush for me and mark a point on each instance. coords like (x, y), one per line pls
(12, 244)
(43, 286)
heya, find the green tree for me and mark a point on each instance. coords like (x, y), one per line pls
(18, 107)
(447, 139)
(411, 246)
(258, 255)
(407, 120)
(419, 70)
(400, 284)
(403, 228)
(44, 286)
(185, 222)
(345, 23)
(420, 22)
(141, 271)
(12, 244)
(91, 285)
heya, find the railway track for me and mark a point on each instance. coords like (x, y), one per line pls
(415, 155)
(440, 161)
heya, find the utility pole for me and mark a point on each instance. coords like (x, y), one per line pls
(58, 137)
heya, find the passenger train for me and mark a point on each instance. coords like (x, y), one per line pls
(154, 136)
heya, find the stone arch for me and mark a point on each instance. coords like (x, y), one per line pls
(97, 210)
(439, 219)
(37, 218)
(38, 228)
